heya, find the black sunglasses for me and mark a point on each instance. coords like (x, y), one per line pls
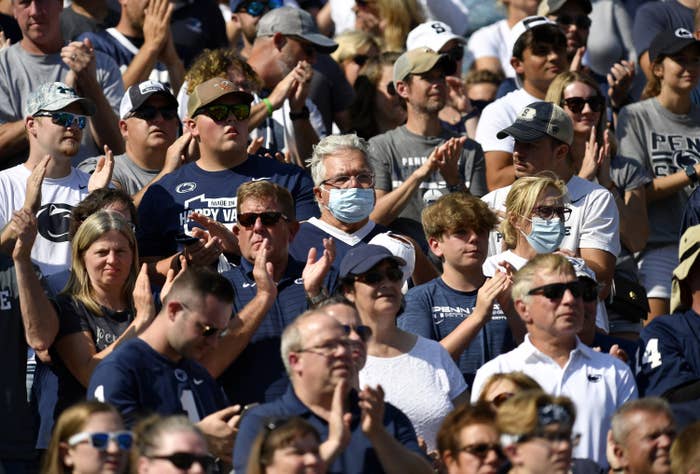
(576, 104)
(373, 277)
(149, 112)
(220, 112)
(481, 450)
(582, 21)
(365, 332)
(555, 291)
(549, 212)
(185, 460)
(589, 290)
(268, 219)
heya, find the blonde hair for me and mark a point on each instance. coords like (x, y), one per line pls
(521, 200)
(149, 433)
(456, 211)
(520, 379)
(351, 42)
(213, 63)
(93, 228)
(555, 94)
(519, 415)
(401, 17)
(544, 262)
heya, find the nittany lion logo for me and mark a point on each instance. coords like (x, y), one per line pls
(53, 221)
(683, 158)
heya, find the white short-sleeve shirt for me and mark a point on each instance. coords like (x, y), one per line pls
(501, 114)
(493, 41)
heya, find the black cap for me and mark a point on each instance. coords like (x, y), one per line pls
(669, 42)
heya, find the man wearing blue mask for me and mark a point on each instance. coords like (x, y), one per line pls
(543, 134)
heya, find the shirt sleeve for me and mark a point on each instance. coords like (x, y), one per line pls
(110, 78)
(647, 23)
(380, 160)
(416, 317)
(493, 120)
(600, 229)
(114, 384)
(630, 138)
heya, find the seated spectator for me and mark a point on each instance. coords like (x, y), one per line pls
(462, 309)
(89, 438)
(317, 355)
(468, 441)
(167, 444)
(355, 48)
(271, 450)
(685, 450)
(43, 57)
(371, 278)
(547, 295)
(501, 386)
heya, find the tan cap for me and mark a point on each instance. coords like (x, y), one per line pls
(211, 90)
(420, 60)
(688, 251)
(548, 7)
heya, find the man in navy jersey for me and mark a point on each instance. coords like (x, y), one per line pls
(670, 345)
(218, 120)
(158, 373)
(272, 289)
(460, 308)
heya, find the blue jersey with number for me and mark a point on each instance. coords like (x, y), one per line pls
(433, 310)
(139, 381)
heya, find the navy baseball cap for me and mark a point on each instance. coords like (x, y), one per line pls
(363, 257)
(540, 119)
(669, 42)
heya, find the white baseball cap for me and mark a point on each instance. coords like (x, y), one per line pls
(431, 34)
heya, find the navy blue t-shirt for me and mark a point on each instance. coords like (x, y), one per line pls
(433, 310)
(139, 381)
(358, 457)
(167, 204)
(653, 17)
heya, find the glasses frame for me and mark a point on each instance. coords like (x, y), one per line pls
(357, 179)
(581, 21)
(231, 109)
(481, 450)
(325, 349)
(258, 8)
(150, 112)
(562, 212)
(182, 460)
(364, 332)
(115, 436)
(60, 118)
(374, 277)
(205, 329)
(267, 218)
(556, 291)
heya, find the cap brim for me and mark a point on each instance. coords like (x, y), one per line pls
(521, 133)
(143, 98)
(683, 269)
(323, 44)
(680, 44)
(367, 264)
(87, 105)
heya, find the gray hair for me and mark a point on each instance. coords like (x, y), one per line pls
(330, 145)
(292, 338)
(546, 262)
(620, 425)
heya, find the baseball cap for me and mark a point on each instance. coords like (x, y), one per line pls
(53, 96)
(431, 34)
(362, 258)
(207, 92)
(527, 24)
(688, 252)
(539, 119)
(547, 7)
(291, 21)
(670, 41)
(420, 60)
(136, 95)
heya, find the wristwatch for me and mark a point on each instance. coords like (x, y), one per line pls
(314, 300)
(692, 173)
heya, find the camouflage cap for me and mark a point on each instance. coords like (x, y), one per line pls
(211, 90)
(53, 96)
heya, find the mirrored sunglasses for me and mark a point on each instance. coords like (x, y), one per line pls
(257, 8)
(65, 119)
(100, 440)
(220, 112)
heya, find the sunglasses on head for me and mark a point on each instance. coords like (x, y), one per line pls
(257, 8)
(576, 104)
(555, 291)
(270, 218)
(582, 21)
(549, 212)
(373, 277)
(481, 450)
(365, 332)
(65, 119)
(100, 441)
(185, 460)
(149, 112)
(220, 112)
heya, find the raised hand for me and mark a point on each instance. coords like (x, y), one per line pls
(316, 270)
(338, 425)
(372, 409)
(204, 252)
(179, 153)
(32, 198)
(156, 24)
(79, 56)
(24, 225)
(143, 301)
(229, 242)
(619, 82)
(102, 175)
(263, 271)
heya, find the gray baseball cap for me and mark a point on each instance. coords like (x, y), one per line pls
(291, 21)
(54, 96)
(539, 119)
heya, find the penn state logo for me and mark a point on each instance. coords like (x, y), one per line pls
(180, 375)
(53, 221)
(185, 187)
(528, 113)
(683, 33)
(683, 158)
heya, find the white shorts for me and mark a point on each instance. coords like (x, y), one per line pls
(656, 270)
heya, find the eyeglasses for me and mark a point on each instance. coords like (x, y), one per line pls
(686, 61)
(220, 112)
(101, 440)
(373, 277)
(456, 53)
(364, 332)
(555, 291)
(185, 460)
(582, 21)
(364, 180)
(257, 8)
(65, 119)
(268, 219)
(328, 348)
(549, 212)
(149, 112)
(499, 399)
(576, 104)
(481, 450)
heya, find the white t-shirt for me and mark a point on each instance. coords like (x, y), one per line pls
(52, 250)
(597, 383)
(421, 383)
(493, 41)
(501, 114)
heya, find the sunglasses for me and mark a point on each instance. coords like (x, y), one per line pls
(549, 212)
(576, 104)
(209, 331)
(499, 399)
(256, 8)
(149, 112)
(373, 277)
(365, 332)
(582, 21)
(220, 112)
(268, 219)
(456, 53)
(65, 119)
(100, 441)
(481, 450)
(555, 291)
(185, 460)
(589, 290)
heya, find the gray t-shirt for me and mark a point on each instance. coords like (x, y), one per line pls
(21, 73)
(128, 174)
(663, 143)
(396, 154)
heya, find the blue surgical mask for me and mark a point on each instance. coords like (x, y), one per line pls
(351, 205)
(546, 234)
